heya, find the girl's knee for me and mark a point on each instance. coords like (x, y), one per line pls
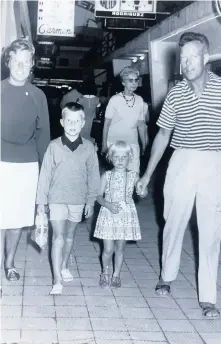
(108, 251)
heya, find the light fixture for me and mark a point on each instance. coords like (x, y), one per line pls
(142, 57)
(135, 59)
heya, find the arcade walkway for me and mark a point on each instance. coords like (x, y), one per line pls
(86, 314)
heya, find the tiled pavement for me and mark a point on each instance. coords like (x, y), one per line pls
(86, 314)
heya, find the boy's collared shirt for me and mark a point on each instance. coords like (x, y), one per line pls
(69, 176)
(71, 145)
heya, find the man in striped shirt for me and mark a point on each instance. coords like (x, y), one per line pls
(192, 115)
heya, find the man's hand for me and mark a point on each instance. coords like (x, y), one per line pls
(114, 207)
(88, 210)
(103, 149)
(141, 187)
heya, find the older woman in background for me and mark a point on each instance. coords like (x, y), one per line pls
(24, 138)
(125, 117)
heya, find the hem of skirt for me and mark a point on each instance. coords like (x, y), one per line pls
(17, 226)
(127, 239)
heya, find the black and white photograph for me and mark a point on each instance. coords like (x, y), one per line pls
(110, 197)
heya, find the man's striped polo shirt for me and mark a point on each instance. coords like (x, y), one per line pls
(196, 121)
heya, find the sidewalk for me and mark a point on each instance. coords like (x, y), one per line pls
(86, 314)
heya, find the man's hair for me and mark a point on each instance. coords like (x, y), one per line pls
(193, 36)
(18, 45)
(121, 146)
(72, 106)
(128, 70)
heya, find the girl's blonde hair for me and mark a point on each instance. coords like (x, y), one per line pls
(119, 146)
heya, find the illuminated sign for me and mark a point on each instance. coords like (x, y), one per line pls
(56, 18)
(142, 9)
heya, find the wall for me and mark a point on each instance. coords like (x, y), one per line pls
(8, 24)
(163, 61)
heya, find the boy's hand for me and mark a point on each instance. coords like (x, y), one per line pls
(88, 210)
(114, 207)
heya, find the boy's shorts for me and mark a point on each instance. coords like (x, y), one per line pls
(62, 212)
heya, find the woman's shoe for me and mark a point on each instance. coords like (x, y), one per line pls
(12, 274)
(104, 280)
(56, 289)
(115, 282)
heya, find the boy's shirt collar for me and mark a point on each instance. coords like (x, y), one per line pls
(71, 145)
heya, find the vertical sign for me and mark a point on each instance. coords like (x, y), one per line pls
(56, 18)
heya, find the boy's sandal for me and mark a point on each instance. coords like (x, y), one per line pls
(209, 310)
(12, 274)
(164, 288)
(104, 280)
(115, 282)
(56, 289)
(66, 275)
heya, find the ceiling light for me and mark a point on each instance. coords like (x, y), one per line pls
(142, 57)
(134, 59)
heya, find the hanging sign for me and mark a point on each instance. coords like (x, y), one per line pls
(56, 18)
(142, 9)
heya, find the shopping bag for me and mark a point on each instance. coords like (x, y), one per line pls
(40, 235)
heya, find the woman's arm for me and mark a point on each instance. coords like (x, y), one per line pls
(141, 127)
(107, 123)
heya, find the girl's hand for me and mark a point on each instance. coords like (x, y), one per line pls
(114, 207)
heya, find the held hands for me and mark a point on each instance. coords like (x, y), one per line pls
(88, 210)
(104, 149)
(141, 188)
(114, 207)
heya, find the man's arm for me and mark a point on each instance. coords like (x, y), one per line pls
(141, 127)
(107, 123)
(160, 144)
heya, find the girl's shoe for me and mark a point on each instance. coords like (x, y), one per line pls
(115, 282)
(66, 275)
(104, 280)
(56, 289)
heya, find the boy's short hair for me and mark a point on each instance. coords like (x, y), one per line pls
(194, 36)
(18, 44)
(72, 106)
(119, 146)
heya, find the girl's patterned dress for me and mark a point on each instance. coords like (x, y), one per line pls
(125, 224)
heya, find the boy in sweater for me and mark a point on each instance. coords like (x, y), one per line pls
(69, 184)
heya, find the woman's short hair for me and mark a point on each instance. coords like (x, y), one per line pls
(121, 146)
(18, 45)
(72, 106)
(127, 71)
(194, 36)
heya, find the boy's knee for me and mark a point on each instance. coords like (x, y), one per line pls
(58, 239)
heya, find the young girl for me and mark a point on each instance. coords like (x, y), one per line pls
(117, 220)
